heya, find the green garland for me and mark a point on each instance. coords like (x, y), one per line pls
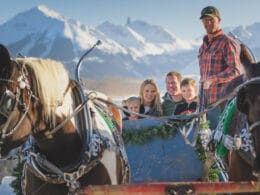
(144, 135)
(214, 171)
(213, 174)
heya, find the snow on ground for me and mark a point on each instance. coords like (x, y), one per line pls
(5, 188)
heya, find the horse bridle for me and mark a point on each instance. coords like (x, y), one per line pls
(9, 100)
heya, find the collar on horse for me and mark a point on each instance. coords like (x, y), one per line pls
(224, 142)
(219, 138)
(93, 148)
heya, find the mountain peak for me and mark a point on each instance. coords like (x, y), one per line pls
(49, 12)
(39, 14)
(39, 21)
(152, 33)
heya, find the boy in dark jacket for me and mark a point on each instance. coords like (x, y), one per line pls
(189, 93)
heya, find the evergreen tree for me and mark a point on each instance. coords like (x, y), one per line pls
(17, 173)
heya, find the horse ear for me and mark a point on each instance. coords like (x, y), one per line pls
(245, 55)
(4, 57)
(247, 61)
(242, 105)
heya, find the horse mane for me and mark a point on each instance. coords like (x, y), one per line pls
(51, 81)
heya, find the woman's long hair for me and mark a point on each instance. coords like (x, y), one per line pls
(156, 103)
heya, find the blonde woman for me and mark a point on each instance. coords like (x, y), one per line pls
(150, 98)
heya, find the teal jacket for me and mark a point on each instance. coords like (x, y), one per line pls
(169, 105)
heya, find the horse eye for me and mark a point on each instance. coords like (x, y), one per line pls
(2, 120)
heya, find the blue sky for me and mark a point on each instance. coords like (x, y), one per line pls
(179, 16)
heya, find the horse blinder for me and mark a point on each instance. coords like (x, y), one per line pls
(242, 105)
(7, 103)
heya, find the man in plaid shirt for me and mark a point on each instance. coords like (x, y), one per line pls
(219, 57)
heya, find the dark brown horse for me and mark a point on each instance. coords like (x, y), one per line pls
(244, 164)
(74, 141)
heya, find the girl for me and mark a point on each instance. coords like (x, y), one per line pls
(132, 104)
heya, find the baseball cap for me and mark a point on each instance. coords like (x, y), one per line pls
(210, 11)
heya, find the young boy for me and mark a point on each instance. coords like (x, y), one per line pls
(189, 93)
(132, 104)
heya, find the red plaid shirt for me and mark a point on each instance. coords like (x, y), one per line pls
(219, 61)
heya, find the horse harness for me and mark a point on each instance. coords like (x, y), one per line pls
(94, 148)
(242, 141)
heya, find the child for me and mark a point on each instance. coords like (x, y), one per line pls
(133, 105)
(189, 93)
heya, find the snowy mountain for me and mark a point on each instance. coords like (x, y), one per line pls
(130, 39)
(249, 35)
(135, 49)
(160, 37)
(144, 39)
(42, 32)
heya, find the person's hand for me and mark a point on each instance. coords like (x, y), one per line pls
(207, 84)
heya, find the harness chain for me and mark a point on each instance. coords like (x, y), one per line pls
(56, 175)
(36, 162)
